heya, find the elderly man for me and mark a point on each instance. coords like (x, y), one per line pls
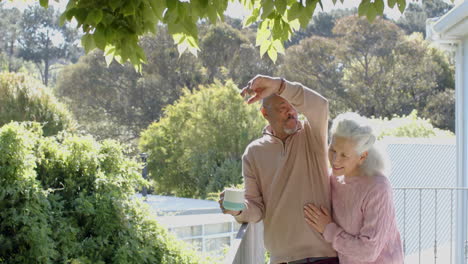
(286, 169)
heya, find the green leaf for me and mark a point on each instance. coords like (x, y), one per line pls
(379, 6)
(371, 13)
(203, 3)
(114, 4)
(295, 25)
(109, 54)
(272, 54)
(267, 8)
(279, 46)
(280, 6)
(213, 15)
(44, 3)
(294, 12)
(262, 35)
(401, 5)
(391, 3)
(179, 38)
(149, 15)
(311, 5)
(80, 15)
(63, 19)
(158, 7)
(87, 41)
(171, 4)
(94, 17)
(100, 38)
(363, 7)
(304, 21)
(277, 30)
(128, 9)
(264, 47)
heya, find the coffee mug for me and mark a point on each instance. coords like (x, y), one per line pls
(233, 199)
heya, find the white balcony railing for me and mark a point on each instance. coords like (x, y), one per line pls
(427, 219)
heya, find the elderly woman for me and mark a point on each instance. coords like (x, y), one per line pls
(363, 228)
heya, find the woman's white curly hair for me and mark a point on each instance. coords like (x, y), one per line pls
(357, 128)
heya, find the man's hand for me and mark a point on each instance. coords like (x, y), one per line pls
(225, 211)
(260, 87)
(317, 218)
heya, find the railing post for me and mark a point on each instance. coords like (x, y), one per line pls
(461, 132)
(247, 247)
(144, 173)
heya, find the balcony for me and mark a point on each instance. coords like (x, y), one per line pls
(429, 220)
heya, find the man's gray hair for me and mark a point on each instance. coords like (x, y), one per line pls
(357, 128)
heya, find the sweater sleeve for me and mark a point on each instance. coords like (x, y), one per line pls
(311, 104)
(254, 207)
(379, 215)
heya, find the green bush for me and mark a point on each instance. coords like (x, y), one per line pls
(68, 199)
(24, 99)
(196, 147)
(408, 126)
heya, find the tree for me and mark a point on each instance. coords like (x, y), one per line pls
(196, 147)
(373, 69)
(227, 53)
(440, 109)
(415, 16)
(115, 26)
(9, 30)
(386, 73)
(117, 102)
(43, 41)
(25, 99)
(220, 45)
(314, 63)
(322, 25)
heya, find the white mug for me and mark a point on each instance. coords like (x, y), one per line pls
(233, 199)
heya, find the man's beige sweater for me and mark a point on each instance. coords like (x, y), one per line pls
(280, 178)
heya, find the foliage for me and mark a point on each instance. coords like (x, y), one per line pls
(43, 41)
(67, 199)
(416, 14)
(215, 42)
(25, 229)
(9, 31)
(115, 26)
(321, 25)
(408, 126)
(373, 69)
(196, 147)
(314, 63)
(228, 53)
(115, 101)
(25, 99)
(440, 109)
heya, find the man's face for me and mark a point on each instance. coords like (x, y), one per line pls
(282, 116)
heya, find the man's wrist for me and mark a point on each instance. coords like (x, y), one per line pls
(282, 86)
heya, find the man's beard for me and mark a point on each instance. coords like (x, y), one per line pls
(291, 131)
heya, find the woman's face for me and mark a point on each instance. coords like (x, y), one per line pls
(343, 157)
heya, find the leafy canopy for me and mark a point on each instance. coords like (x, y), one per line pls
(115, 25)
